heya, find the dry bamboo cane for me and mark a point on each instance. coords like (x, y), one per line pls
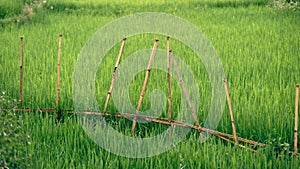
(145, 84)
(236, 144)
(21, 71)
(114, 75)
(169, 85)
(151, 119)
(185, 92)
(58, 71)
(230, 110)
(296, 121)
(174, 123)
(169, 81)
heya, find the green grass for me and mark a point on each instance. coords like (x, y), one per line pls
(10, 8)
(259, 48)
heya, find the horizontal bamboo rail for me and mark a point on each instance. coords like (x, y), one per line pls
(165, 121)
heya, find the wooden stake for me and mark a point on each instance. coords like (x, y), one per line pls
(184, 90)
(169, 85)
(58, 71)
(169, 81)
(296, 121)
(21, 70)
(145, 84)
(230, 110)
(114, 75)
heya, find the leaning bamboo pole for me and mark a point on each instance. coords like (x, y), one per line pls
(236, 144)
(184, 90)
(21, 70)
(114, 75)
(165, 121)
(230, 110)
(145, 83)
(58, 71)
(296, 121)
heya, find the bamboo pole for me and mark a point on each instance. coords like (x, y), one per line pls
(184, 90)
(174, 123)
(296, 121)
(58, 71)
(169, 85)
(114, 75)
(164, 121)
(237, 144)
(161, 121)
(21, 70)
(145, 83)
(230, 110)
(169, 81)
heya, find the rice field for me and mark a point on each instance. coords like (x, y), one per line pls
(259, 48)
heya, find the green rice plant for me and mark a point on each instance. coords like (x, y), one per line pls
(258, 47)
(14, 138)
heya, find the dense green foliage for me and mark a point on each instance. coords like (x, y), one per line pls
(14, 138)
(258, 45)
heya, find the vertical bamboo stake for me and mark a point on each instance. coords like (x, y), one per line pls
(169, 85)
(114, 75)
(184, 90)
(169, 80)
(21, 71)
(58, 71)
(296, 121)
(230, 110)
(145, 84)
